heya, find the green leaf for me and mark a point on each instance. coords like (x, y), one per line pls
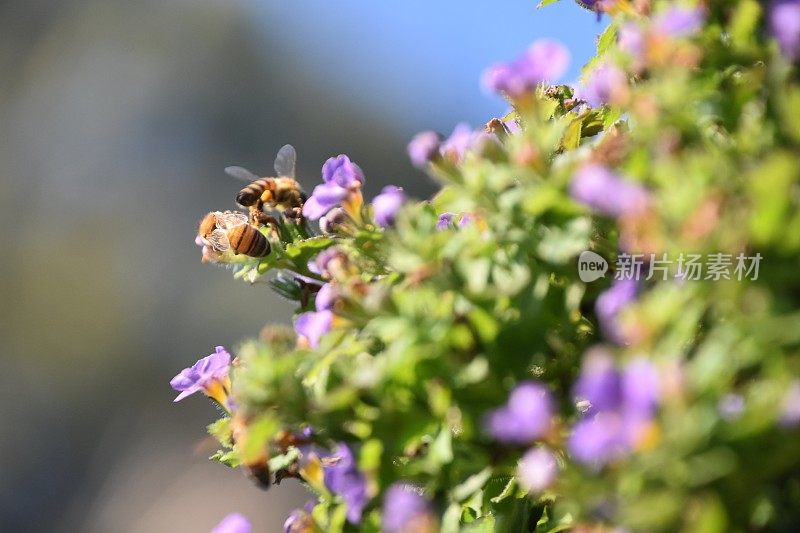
(770, 186)
(227, 457)
(594, 121)
(280, 462)
(544, 3)
(255, 441)
(507, 491)
(744, 23)
(301, 252)
(441, 449)
(606, 39)
(221, 430)
(572, 135)
(471, 485)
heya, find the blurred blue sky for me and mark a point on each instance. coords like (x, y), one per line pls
(420, 61)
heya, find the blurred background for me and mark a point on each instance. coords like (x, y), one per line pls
(116, 120)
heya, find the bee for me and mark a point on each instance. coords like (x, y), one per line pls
(232, 230)
(257, 467)
(281, 192)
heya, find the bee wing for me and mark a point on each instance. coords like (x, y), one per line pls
(231, 219)
(285, 161)
(241, 173)
(218, 239)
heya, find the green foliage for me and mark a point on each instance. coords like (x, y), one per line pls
(433, 327)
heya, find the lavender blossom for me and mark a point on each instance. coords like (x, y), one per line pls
(526, 417)
(784, 26)
(599, 188)
(424, 148)
(599, 382)
(466, 219)
(545, 60)
(342, 179)
(344, 479)
(611, 303)
(678, 21)
(460, 141)
(641, 389)
(405, 510)
(512, 126)
(325, 298)
(604, 85)
(300, 520)
(233, 523)
(326, 261)
(312, 325)
(445, 220)
(386, 205)
(731, 406)
(334, 220)
(790, 411)
(631, 40)
(208, 375)
(599, 439)
(621, 407)
(538, 469)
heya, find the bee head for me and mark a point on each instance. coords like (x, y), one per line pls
(207, 225)
(246, 198)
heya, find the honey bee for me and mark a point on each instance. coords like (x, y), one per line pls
(232, 230)
(257, 467)
(281, 192)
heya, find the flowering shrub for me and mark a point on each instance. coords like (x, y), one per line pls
(451, 369)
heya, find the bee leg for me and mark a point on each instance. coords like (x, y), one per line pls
(294, 215)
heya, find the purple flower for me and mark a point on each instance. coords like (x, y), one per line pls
(605, 192)
(545, 60)
(386, 205)
(677, 21)
(466, 219)
(731, 406)
(460, 141)
(233, 523)
(327, 261)
(424, 147)
(599, 439)
(445, 219)
(603, 85)
(344, 479)
(300, 520)
(526, 417)
(621, 407)
(341, 180)
(325, 298)
(611, 303)
(641, 389)
(405, 510)
(631, 40)
(790, 412)
(312, 325)
(341, 171)
(334, 220)
(512, 126)
(784, 26)
(590, 4)
(599, 382)
(538, 469)
(208, 375)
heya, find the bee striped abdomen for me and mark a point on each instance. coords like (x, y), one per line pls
(246, 239)
(250, 194)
